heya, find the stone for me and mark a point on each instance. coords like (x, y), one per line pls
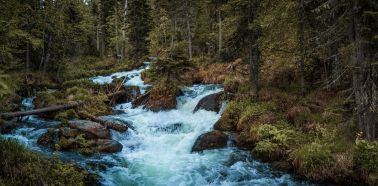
(91, 129)
(212, 102)
(106, 145)
(211, 140)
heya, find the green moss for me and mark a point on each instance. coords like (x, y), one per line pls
(20, 166)
(67, 115)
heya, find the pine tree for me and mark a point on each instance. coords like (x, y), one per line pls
(139, 27)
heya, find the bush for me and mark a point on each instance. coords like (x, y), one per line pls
(271, 141)
(20, 166)
(365, 157)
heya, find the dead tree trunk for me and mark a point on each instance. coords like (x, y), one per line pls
(54, 108)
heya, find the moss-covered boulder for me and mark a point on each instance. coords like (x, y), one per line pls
(211, 140)
(85, 137)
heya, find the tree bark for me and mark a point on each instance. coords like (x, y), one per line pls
(301, 46)
(364, 81)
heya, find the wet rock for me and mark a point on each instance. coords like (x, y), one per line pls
(77, 140)
(118, 112)
(211, 102)
(211, 140)
(237, 157)
(106, 145)
(91, 129)
(126, 94)
(50, 138)
(6, 127)
(168, 129)
(156, 102)
(282, 165)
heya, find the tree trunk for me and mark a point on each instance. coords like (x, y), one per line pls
(27, 57)
(254, 61)
(190, 50)
(219, 33)
(54, 108)
(364, 81)
(301, 46)
(116, 30)
(98, 38)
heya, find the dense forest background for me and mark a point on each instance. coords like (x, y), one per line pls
(300, 47)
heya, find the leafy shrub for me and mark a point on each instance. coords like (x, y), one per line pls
(271, 141)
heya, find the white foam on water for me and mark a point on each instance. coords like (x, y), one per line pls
(157, 158)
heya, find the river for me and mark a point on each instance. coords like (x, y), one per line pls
(157, 146)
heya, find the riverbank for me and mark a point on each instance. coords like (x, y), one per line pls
(20, 166)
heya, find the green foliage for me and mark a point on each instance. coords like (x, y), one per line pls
(312, 156)
(20, 166)
(365, 155)
(271, 140)
(169, 69)
(67, 115)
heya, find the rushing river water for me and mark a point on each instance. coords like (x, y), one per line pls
(157, 146)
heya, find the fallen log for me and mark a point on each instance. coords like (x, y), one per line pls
(54, 108)
(107, 124)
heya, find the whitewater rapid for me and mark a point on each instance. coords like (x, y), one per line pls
(157, 146)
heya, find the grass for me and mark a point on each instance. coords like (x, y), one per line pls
(20, 166)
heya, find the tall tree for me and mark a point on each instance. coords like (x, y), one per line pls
(140, 26)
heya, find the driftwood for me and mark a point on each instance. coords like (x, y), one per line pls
(107, 124)
(54, 108)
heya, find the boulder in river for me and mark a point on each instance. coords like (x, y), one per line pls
(212, 102)
(91, 129)
(211, 140)
(156, 102)
(106, 145)
(77, 140)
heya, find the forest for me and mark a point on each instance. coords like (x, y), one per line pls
(189, 92)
